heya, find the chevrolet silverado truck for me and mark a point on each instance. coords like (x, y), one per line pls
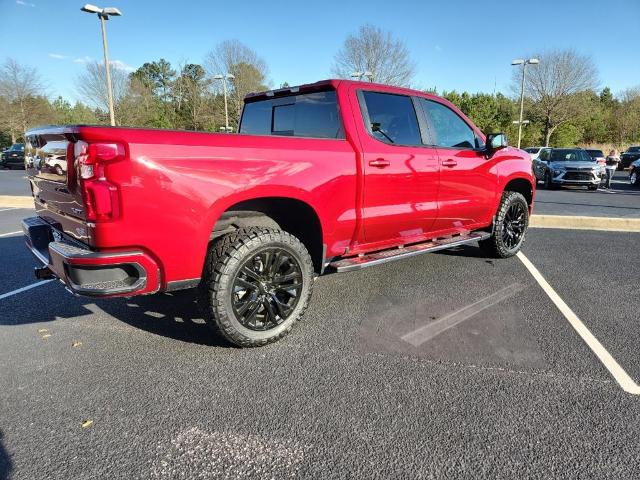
(327, 177)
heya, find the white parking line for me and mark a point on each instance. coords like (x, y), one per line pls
(23, 289)
(10, 208)
(610, 363)
(10, 233)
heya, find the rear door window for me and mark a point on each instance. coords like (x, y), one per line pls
(391, 118)
(312, 115)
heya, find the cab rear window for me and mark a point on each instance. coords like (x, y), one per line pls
(312, 115)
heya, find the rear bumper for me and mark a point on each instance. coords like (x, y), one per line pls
(86, 272)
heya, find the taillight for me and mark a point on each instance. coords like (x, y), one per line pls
(99, 195)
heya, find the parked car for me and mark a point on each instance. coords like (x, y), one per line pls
(599, 157)
(567, 166)
(634, 173)
(13, 157)
(328, 177)
(627, 158)
(533, 152)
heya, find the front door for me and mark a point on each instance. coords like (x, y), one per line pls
(400, 198)
(467, 179)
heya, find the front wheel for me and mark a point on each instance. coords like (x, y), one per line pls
(256, 285)
(509, 230)
(634, 178)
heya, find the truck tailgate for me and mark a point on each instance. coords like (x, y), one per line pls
(51, 171)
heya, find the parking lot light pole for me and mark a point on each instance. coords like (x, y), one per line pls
(524, 63)
(224, 79)
(103, 15)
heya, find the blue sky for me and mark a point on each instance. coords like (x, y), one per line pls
(456, 44)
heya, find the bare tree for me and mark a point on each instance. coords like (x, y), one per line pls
(250, 71)
(23, 93)
(92, 86)
(376, 51)
(554, 87)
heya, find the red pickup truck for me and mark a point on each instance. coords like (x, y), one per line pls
(327, 177)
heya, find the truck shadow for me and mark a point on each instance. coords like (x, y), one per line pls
(5, 462)
(173, 315)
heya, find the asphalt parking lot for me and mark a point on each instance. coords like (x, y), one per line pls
(365, 386)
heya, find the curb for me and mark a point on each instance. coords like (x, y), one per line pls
(570, 222)
(14, 201)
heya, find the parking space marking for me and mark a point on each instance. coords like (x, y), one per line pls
(435, 328)
(23, 289)
(610, 363)
(10, 208)
(10, 233)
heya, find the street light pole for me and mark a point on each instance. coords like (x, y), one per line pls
(524, 63)
(103, 15)
(224, 79)
(105, 48)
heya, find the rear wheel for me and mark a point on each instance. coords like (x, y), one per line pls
(510, 227)
(256, 285)
(634, 178)
(593, 187)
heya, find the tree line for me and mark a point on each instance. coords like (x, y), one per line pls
(563, 102)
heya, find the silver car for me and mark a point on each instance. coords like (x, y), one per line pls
(567, 166)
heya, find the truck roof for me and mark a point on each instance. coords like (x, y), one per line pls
(333, 82)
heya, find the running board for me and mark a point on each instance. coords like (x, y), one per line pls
(384, 256)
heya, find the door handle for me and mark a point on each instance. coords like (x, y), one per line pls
(379, 163)
(449, 163)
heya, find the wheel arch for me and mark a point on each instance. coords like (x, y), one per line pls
(522, 186)
(292, 215)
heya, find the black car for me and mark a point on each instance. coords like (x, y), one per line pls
(13, 157)
(634, 174)
(627, 158)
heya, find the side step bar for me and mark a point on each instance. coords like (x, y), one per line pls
(384, 256)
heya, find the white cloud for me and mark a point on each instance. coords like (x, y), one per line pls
(25, 4)
(438, 48)
(57, 56)
(120, 65)
(117, 64)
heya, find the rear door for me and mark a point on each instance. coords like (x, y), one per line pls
(400, 173)
(467, 182)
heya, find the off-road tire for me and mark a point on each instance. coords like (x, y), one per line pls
(494, 246)
(225, 257)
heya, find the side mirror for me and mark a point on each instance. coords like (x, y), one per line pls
(495, 142)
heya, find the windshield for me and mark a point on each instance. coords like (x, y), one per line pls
(17, 147)
(562, 155)
(595, 153)
(633, 149)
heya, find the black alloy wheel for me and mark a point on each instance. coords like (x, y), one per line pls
(256, 284)
(514, 225)
(510, 227)
(266, 289)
